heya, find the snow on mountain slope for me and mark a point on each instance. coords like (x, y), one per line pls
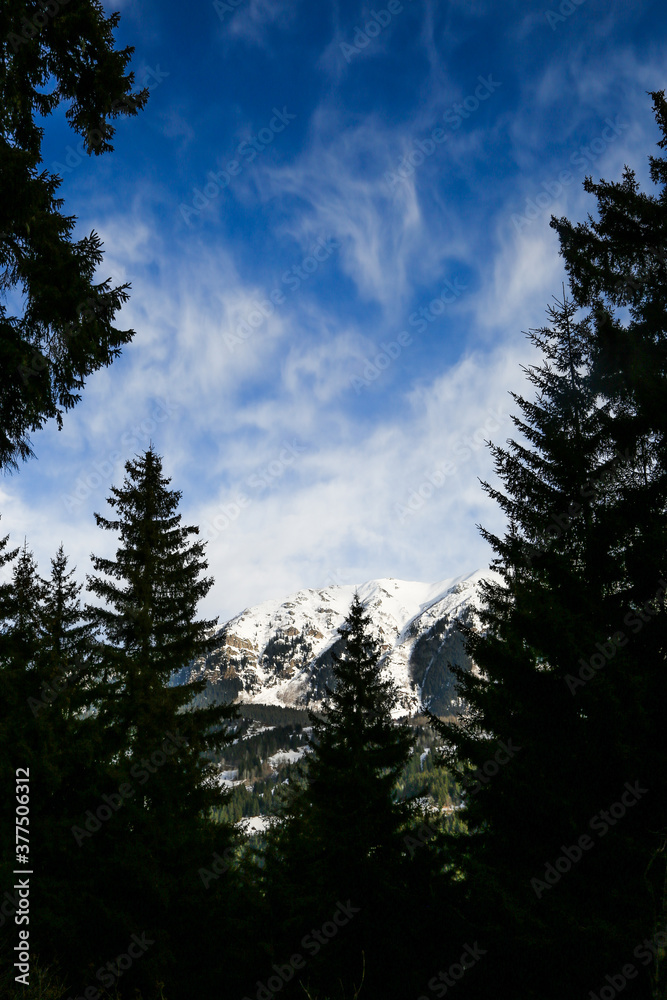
(279, 652)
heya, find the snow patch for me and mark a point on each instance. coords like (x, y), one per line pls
(287, 757)
(251, 825)
(401, 611)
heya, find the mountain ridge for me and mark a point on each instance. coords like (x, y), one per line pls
(280, 652)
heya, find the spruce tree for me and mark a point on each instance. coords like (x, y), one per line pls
(617, 264)
(341, 837)
(547, 734)
(20, 648)
(69, 743)
(20, 640)
(47, 667)
(161, 746)
(618, 261)
(69, 649)
(359, 820)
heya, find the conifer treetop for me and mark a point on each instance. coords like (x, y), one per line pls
(159, 566)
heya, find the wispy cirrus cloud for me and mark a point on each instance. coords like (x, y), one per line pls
(251, 20)
(249, 340)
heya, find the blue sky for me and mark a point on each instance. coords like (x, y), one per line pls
(335, 219)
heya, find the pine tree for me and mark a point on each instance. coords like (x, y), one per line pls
(46, 665)
(68, 743)
(618, 268)
(20, 648)
(20, 638)
(617, 264)
(160, 744)
(342, 835)
(12, 672)
(69, 646)
(546, 734)
(66, 329)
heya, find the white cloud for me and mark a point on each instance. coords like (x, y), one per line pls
(251, 21)
(306, 480)
(330, 505)
(340, 181)
(345, 501)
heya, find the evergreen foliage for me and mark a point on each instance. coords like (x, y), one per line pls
(570, 670)
(560, 739)
(342, 832)
(617, 264)
(66, 330)
(559, 596)
(44, 670)
(157, 743)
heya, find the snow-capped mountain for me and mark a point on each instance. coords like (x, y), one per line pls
(279, 652)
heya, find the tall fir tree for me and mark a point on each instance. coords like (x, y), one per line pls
(20, 641)
(618, 261)
(70, 744)
(342, 837)
(160, 745)
(70, 655)
(617, 264)
(47, 674)
(546, 733)
(20, 648)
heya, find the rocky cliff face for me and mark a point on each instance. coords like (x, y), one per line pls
(281, 652)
